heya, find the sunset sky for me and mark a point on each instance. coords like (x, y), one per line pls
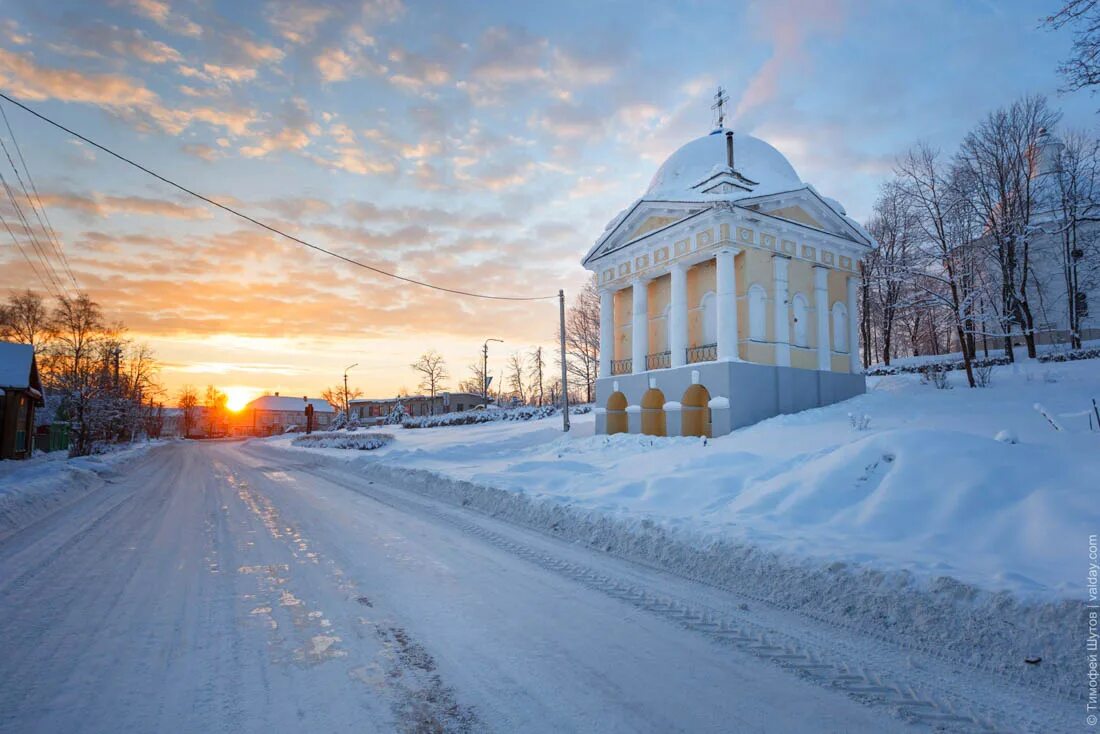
(482, 146)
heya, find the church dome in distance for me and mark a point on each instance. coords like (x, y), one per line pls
(703, 157)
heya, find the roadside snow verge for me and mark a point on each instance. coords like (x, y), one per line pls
(32, 489)
(342, 440)
(942, 617)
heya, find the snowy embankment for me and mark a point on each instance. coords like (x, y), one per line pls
(36, 487)
(924, 526)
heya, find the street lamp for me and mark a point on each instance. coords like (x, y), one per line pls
(485, 370)
(347, 414)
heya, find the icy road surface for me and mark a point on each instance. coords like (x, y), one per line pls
(226, 587)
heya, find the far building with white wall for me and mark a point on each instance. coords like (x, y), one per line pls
(728, 294)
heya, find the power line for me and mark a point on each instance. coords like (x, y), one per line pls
(26, 257)
(51, 233)
(262, 224)
(47, 266)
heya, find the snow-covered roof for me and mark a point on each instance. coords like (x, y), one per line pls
(698, 173)
(705, 157)
(286, 403)
(16, 361)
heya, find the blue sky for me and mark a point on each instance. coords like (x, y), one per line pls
(480, 145)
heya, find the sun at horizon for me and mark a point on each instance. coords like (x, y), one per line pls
(239, 397)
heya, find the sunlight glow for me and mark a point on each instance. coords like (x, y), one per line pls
(239, 396)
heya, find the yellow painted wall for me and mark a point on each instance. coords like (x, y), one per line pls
(623, 317)
(758, 352)
(838, 291)
(757, 268)
(660, 293)
(796, 214)
(805, 359)
(700, 279)
(800, 279)
(840, 363)
(650, 224)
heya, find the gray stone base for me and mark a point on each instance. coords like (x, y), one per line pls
(754, 391)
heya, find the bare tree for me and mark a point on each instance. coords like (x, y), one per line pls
(25, 319)
(998, 165)
(886, 269)
(1082, 68)
(339, 397)
(78, 326)
(433, 373)
(516, 373)
(582, 340)
(188, 403)
(1072, 205)
(475, 383)
(538, 366)
(940, 215)
(214, 402)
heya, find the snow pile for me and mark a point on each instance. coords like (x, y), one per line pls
(958, 519)
(341, 440)
(490, 415)
(36, 487)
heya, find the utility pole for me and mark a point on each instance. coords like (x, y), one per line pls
(347, 414)
(485, 370)
(564, 372)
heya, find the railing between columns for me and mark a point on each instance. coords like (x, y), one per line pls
(621, 366)
(702, 353)
(658, 361)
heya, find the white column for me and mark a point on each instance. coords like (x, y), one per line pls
(821, 303)
(726, 281)
(678, 314)
(782, 317)
(853, 326)
(640, 326)
(607, 331)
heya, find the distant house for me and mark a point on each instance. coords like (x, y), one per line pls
(273, 414)
(374, 410)
(20, 394)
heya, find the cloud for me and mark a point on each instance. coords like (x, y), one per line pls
(351, 59)
(161, 13)
(297, 22)
(101, 205)
(132, 43)
(789, 27)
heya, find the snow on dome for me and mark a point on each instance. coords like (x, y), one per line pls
(752, 158)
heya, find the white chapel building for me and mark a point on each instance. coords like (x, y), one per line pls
(728, 294)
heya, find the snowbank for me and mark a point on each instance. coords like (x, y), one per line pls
(926, 526)
(343, 440)
(36, 487)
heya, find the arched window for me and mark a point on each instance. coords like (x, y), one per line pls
(800, 310)
(758, 313)
(709, 308)
(840, 327)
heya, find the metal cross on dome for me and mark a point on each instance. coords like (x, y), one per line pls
(720, 99)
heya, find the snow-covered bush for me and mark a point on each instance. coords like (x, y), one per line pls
(983, 375)
(490, 415)
(944, 365)
(340, 440)
(341, 423)
(860, 422)
(396, 416)
(936, 375)
(1071, 356)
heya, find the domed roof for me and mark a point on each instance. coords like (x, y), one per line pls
(703, 157)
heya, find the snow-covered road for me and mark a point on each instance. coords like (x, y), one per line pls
(231, 587)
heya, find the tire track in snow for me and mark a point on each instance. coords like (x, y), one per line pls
(921, 702)
(421, 700)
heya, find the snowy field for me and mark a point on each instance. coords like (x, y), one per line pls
(972, 484)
